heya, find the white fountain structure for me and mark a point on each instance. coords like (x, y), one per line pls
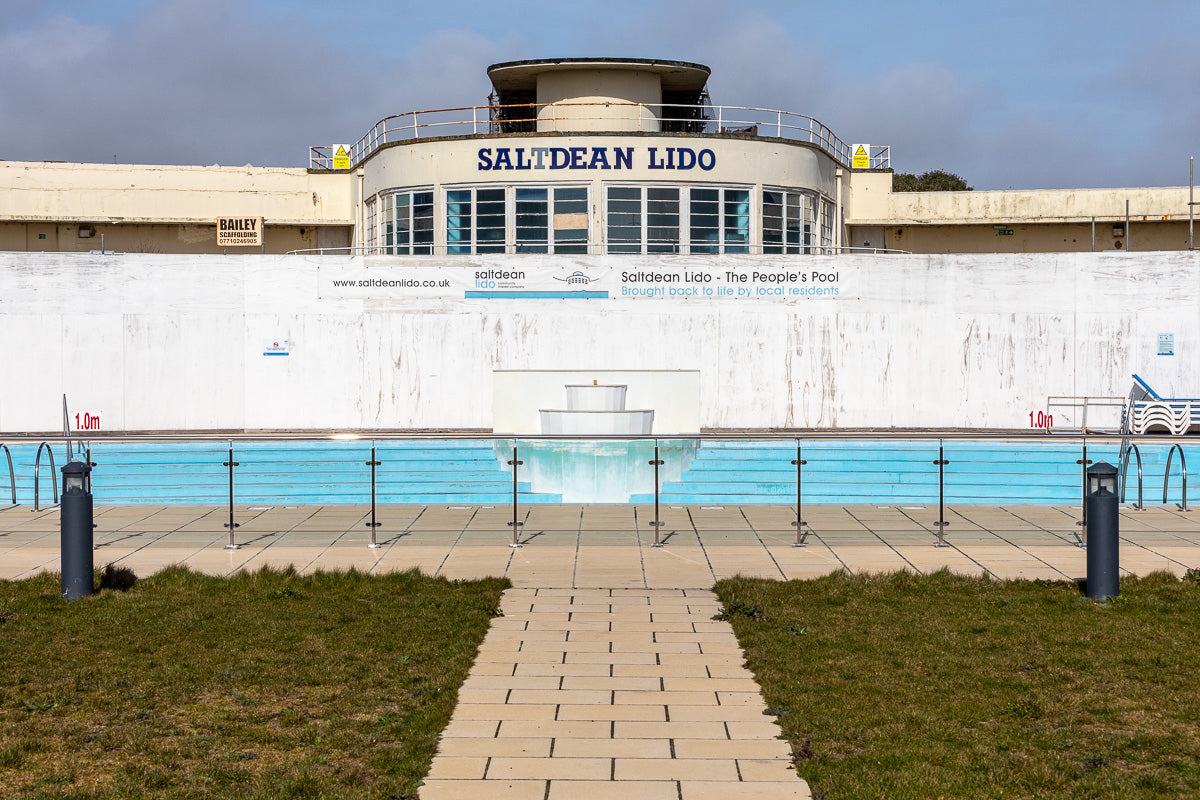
(596, 410)
(597, 470)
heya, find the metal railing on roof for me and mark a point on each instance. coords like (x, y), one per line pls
(597, 248)
(747, 121)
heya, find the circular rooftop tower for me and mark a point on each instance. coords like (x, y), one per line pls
(596, 94)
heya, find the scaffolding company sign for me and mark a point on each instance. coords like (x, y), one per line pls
(239, 231)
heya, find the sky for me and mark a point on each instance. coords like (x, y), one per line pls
(1026, 95)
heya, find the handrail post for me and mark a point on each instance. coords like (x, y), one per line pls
(373, 524)
(941, 523)
(37, 466)
(1137, 453)
(231, 545)
(1083, 462)
(12, 476)
(1167, 476)
(801, 534)
(87, 455)
(657, 524)
(516, 525)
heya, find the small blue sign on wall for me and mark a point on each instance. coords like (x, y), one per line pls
(1166, 344)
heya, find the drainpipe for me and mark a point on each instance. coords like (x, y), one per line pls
(837, 219)
(1126, 226)
(358, 210)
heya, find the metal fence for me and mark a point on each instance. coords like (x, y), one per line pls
(602, 248)
(745, 121)
(895, 469)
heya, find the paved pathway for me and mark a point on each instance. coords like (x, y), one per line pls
(600, 694)
(606, 546)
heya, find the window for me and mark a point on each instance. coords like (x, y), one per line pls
(408, 223)
(720, 220)
(661, 219)
(828, 220)
(552, 219)
(788, 221)
(643, 219)
(475, 221)
(369, 241)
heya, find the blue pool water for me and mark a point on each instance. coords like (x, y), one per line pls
(475, 472)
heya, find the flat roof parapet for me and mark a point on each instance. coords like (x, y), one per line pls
(676, 76)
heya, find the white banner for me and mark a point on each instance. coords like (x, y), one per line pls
(793, 282)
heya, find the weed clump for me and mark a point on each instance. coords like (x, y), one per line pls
(122, 579)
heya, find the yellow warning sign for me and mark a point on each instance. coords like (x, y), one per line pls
(861, 156)
(341, 156)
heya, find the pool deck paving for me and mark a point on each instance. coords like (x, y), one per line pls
(605, 547)
(606, 676)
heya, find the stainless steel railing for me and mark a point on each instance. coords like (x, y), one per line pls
(283, 470)
(37, 468)
(1183, 476)
(747, 121)
(601, 248)
(12, 476)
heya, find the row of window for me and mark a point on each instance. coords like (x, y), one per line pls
(637, 219)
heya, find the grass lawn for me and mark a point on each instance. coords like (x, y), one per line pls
(941, 686)
(263, 685)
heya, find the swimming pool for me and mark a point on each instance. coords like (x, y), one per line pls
(474, 471)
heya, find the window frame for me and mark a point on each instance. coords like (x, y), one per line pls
(685, 244)
(388, 227)
(811, 202)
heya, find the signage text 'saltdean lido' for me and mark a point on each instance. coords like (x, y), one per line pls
(522, 158)
(239, 231)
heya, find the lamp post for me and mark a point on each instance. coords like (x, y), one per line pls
(75, 520)
(1103, 558)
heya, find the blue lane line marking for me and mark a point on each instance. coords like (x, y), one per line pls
(274, 354)
(522, 294)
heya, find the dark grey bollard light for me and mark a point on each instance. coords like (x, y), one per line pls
(75, 519)
(1103, 539)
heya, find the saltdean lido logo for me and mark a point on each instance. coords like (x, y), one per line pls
(576, 278)
(523, 158)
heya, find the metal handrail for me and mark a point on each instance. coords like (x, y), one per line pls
(37, 468)
(1084, 402)
(467, 121)
(1167, 476)
(600, 248)
(780, 435)
(1125, 469)
(12, 476)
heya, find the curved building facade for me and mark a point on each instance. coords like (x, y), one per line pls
(598, 156)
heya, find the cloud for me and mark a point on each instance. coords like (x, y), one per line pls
(191, 82)
(194, 82)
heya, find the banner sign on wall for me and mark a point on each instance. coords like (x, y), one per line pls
(239, 231)
(793, 282)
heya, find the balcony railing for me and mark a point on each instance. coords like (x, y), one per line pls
(478, 120)
(600, 248)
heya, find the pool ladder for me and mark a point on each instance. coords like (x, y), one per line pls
(1128, 448)
(12, 476)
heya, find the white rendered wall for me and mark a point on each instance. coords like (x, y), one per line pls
(598, 100)
(177, 342)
